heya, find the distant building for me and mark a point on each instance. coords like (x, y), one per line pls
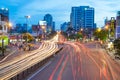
(50, 24)
(4, 19)
(43, 26)
(82, 17)
(53, 28)
(110, 25)
(21, 28)
(36, 30)
(117, 32)
(64, 26)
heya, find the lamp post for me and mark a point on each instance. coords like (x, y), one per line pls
(107, 28)
(27, 17)
(9, 26)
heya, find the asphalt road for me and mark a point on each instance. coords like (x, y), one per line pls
(79, 62)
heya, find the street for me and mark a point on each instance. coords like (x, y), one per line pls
(79, 61)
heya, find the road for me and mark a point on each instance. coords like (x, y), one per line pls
(14, 66)
(79, 62)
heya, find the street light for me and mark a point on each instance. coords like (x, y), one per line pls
(27, 17)
(9, 26)
(107, 28)
(99, 29)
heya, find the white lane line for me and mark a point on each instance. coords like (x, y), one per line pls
(39, 70)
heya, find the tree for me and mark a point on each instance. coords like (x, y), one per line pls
(28, 37)
(102, 34)
(79, 36)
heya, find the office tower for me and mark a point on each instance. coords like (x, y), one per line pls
(4, 18)
(50, 24)
(117, 32)
(82, 17)
(64, 27)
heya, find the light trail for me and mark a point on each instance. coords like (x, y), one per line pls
(13, 67)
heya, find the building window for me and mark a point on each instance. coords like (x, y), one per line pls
(4, 27)
(0, 27)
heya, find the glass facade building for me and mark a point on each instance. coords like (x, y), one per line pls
(117, 32)
(82, 17)
(50, 24)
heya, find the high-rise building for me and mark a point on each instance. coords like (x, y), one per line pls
(50, 24)
(117, 32)
(82, 17)
(53, 28)
(64, 27)
(21, 28)
(4, 18)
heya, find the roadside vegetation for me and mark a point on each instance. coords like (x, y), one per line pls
(117, 46)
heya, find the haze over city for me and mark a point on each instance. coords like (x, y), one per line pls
(60, 10)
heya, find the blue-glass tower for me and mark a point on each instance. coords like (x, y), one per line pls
(82, 17)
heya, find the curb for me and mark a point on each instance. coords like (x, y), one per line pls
(113, 56)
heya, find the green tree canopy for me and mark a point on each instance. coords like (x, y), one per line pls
(28, 36)
(102, 34)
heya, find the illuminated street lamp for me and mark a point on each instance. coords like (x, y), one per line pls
(81, 29)
(99, 29)
(27, 17)
(107, 28)
(9, 25)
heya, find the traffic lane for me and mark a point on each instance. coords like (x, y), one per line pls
(76, 63)
(51, 71)
(108, 67)
(71, 66)
(83, 67)
(114, 67)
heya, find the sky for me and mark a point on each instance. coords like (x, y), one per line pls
(59, 9)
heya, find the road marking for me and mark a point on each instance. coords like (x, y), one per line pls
(39, 70)
(57, 66)
(63, 67)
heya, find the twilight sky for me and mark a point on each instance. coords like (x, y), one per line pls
(59, 9)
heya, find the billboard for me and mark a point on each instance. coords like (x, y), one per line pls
(42, 23)
(4, 40)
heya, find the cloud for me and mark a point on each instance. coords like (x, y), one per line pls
(61, 10)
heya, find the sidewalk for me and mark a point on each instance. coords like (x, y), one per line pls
(112, 55)
(13, 52)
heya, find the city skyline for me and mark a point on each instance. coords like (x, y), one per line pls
(60, 10)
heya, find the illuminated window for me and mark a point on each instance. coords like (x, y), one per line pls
(4, 27)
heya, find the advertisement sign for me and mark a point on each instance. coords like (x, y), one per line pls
(4, 40)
